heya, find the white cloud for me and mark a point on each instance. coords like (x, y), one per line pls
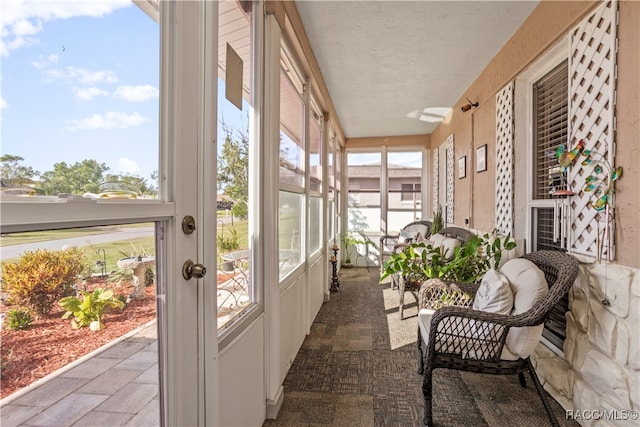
(136, 93)
(88, 93)
(45, 62)
(128, 166)
(110, 120)
(3, 103)
(81, 75)
(22, 20)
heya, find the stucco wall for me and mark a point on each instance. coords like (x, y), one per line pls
(628, 135)
(599, 369)
(549, 22)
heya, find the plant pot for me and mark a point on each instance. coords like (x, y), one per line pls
(347, 265)
(229, 266)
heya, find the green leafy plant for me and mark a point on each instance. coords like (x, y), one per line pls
(90, 310)
(349, 240)
(228, 240)
(137, 252)
(42, 277)
(419, 262)
(149, 276)
(18, 319)
(438, 223)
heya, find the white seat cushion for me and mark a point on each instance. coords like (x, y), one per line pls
(528, 286)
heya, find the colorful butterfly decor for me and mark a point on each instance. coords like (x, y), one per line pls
(601, 183)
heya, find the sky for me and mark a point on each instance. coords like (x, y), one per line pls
(80, 81)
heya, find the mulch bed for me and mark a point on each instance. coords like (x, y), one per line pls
(50, 343)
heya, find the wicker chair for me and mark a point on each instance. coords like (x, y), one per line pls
(388, 242)
(454, 342)
(405, 284)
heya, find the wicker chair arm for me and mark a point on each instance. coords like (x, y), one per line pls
(435, 293)
(472, 334)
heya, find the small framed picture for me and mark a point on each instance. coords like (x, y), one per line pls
(462, 167)
(481, 158)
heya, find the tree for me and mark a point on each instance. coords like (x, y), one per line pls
(79, 178)
(14, 174)
(233, 168)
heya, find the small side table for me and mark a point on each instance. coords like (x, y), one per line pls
(335, 282)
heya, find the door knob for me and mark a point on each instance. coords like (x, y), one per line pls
(190, 269)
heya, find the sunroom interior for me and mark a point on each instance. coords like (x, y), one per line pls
(357, 118)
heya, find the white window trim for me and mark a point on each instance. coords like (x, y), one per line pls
(523, 99)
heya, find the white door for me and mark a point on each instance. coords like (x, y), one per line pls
(188, 355)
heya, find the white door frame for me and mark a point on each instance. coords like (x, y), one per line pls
(188, 101)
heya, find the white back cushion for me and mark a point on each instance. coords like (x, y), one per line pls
(448, 247)
(528, 286)
(494, 294)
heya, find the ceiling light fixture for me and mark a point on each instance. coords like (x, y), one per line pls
(470, 105)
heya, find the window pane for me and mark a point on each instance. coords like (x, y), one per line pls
(235, 287)
(290, 228)
(116, 258)
(80, 115)
(315, 223)
(364, 192)
(315, 152)
(292, 169)
(404, 170)
(551, 101)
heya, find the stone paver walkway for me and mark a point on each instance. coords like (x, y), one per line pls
(116, 385)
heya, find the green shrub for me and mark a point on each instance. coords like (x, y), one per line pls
(18, 319)
(90, 311)
(41, 278)
(149, 276)
(228, 240)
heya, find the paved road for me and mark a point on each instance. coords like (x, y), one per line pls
(113, 235)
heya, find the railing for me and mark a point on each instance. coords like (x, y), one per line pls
(233, 289)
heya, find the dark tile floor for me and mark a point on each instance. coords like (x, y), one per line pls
(357, 368)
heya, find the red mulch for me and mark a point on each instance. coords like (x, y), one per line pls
(50, 343)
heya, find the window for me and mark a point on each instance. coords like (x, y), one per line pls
(550, 125)
(315, 150)
(363, 172)
(79, 120)
(404, 184)
(236, 293)
(292, 166)
(410, 193)
(292, 163)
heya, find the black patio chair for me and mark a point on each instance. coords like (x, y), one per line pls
(454, 341)
(412, 231)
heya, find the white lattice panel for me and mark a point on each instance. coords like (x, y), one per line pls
(436, 179)
(450, 179)
(592, 73)
(504, 160)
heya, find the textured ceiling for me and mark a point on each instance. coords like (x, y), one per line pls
(392, 67)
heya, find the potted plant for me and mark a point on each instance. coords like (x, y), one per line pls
(419, 262)
(438, 223)
(349, 241)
